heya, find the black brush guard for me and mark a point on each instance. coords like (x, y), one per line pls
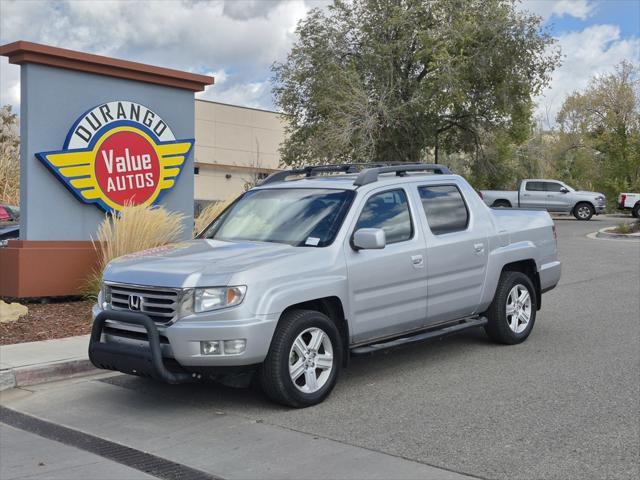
(134, 360)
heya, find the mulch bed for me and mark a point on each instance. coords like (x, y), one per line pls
(57, 319)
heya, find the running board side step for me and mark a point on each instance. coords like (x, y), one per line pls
(419, 337)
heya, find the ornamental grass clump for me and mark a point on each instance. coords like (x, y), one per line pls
(9, 157)
(135, 228)
(627, 228)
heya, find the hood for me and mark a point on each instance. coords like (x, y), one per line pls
(194, 263)
(588, 194)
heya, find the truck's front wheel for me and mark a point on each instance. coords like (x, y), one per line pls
(512, 313)
(304, 359)
(583, 211)
(636, 210)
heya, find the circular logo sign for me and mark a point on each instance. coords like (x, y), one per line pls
(119, 153)
(127, 168)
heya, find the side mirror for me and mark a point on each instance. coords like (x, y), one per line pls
(564, 190)
(369, 239)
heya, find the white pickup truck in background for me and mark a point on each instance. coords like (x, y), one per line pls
(550, 195)
(630, 201)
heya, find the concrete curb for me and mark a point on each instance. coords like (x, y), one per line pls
(603, 233)
(46, 372)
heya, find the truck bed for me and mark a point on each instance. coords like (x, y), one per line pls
(490, 196)
(526, 225)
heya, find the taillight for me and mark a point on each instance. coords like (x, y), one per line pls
(623, 198)
(555, 234)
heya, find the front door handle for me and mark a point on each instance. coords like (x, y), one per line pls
(479, 247)
(417, 261)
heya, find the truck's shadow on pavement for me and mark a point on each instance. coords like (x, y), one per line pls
(378, 368)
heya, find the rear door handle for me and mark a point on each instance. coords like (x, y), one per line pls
(479, 247)
(417, 261)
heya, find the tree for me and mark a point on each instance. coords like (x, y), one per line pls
(392, 80)
(599, 142)
(9, 157)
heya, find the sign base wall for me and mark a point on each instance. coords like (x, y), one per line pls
(38, 268)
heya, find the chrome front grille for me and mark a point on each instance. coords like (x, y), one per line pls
(161, 304)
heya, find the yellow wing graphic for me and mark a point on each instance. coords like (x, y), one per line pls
(172, 157)
(75, 168)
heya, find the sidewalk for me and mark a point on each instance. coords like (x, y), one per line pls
(38, 362)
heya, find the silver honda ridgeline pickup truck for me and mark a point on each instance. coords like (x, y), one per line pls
(316, 265)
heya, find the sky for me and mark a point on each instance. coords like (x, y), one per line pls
(236, 41)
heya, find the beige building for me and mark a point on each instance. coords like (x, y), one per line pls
(235, 146)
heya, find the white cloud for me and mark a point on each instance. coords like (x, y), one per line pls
(243, 9)
(9, 83)
(236, 41)
(248, 94)
(239, 38)
(581, 9)
(236, 91)
(596, 50)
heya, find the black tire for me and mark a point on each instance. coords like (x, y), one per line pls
(498, 325)
(583, 211)
(636, 210)
(502, 204)
(274, 374)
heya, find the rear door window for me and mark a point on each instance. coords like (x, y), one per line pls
(535, 186)
(445, 208)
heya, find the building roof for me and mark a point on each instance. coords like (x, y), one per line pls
(239, 106)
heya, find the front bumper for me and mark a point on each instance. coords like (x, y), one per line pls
(600, 209)
(135, 360)
(180, 342)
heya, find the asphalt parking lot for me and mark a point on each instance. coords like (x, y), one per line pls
(565, 404)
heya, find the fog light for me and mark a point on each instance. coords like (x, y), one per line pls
(210, 348)
(234, 347)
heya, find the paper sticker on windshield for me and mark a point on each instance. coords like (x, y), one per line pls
(312, 241)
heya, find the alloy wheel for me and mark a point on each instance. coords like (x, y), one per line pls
(518, 308)
(584, 212)
(311, 360)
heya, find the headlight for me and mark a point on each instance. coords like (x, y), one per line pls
(104, 297)
(214, 298)
(600, 199)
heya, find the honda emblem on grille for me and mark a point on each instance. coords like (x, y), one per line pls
(135, 302)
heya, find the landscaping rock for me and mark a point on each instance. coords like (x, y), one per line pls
(10, 312)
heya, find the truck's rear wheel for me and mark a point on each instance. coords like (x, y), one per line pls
(304, 359)
(502, 204)
(636, 210)
(512, 313)
(583, 211)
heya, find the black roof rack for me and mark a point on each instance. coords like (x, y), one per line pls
(368, 172)
(308, 172)
(370, 175)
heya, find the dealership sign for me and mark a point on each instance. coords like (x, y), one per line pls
(119, 153)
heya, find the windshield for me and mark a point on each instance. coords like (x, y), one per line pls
(296, 216)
